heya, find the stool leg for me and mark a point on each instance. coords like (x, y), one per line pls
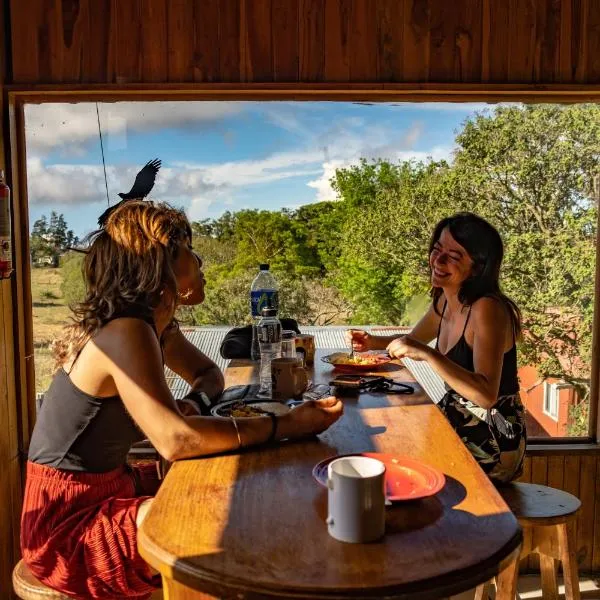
(506, 582)
(549, 581)
(483, 591)
(566, 537)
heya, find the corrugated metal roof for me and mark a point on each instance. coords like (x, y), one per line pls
(208, 340)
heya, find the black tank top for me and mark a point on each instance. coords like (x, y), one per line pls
(76, 431)
(462, 354)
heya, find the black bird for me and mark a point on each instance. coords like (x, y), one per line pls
(143, 184)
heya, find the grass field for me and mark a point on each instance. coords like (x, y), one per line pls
(50, 314)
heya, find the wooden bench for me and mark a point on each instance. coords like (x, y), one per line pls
(27, 587)
(550, 516)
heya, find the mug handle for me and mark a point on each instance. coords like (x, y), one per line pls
(300, 379)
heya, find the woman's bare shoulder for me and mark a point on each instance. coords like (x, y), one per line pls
(491, 311)
(127, 332)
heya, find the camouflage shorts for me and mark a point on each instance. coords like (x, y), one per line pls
(495, 437)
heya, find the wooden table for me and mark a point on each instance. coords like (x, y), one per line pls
(252, 524)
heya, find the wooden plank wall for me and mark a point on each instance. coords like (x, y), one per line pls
(578, 475)
(462, 41)
(10, 459)
(306, 41)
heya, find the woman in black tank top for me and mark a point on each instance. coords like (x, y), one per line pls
(477, 327)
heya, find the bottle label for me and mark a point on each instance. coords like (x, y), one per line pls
(260, 299)
(269, 333)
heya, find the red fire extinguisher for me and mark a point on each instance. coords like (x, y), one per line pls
(6, 267)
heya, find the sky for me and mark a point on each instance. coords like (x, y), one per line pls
(219, 156)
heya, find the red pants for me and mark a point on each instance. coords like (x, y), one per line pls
(78, 531)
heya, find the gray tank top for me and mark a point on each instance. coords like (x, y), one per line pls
(76, 431)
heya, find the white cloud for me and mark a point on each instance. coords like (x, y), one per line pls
(204, 189)
(74, 185)
(281, 165)
(200, 188)
(322, 184)
(72, 127)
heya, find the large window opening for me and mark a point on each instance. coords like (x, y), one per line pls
(340, 199)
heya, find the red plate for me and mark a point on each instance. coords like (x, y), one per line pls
(382, 359)
(405, 478)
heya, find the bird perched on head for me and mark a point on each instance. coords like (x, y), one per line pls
(143, 184)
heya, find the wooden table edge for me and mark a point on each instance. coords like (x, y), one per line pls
(209, 582)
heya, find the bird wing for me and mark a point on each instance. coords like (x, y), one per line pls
(144, 180)
(143, 184)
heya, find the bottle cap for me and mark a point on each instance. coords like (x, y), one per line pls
(269, 312)
(264, 267)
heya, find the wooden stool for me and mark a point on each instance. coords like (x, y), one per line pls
(27, 587)
(550, 515)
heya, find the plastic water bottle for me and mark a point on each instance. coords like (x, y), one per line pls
(263, 294)
(269, 340)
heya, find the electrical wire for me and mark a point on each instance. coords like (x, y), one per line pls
(102, 150)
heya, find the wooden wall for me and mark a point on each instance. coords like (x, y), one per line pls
(452, 41)
(286, 41)
(10, 429)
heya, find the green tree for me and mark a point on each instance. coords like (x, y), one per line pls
(50, 239)
(530, 170)
(73, 284)
(227, 299)
(383, 244)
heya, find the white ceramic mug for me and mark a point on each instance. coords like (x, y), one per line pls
(356, 499)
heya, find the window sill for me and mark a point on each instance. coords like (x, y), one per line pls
(563, 447)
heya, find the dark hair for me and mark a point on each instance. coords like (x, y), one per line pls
(484, 245)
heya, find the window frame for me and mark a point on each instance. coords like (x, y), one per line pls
(19, 95)
(551, 391)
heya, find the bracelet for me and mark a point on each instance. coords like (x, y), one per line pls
(237, 431)
(274, 429)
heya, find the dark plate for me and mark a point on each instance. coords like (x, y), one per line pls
(276, 408)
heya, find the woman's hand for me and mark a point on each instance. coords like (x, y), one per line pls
(188, 408)
(359, 340)
(408, 347)
(311, 417)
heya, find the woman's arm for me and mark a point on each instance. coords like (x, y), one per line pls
(427, 327)
(131, 355)
(490, 322)
(193, 366)
(424, 331)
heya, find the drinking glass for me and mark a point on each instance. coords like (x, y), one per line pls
(288, 344)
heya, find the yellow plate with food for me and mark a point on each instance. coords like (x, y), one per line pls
(250, 409)
(365, 361)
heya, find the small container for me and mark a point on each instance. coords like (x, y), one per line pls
(305, 346)
(288, 344)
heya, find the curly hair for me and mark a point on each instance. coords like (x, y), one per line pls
(128, 268)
